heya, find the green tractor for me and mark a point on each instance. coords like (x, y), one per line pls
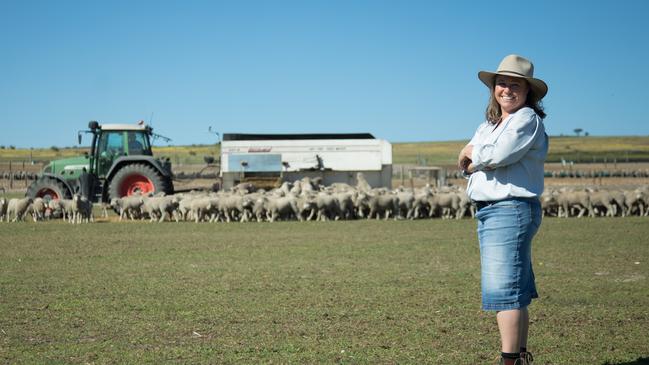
(120, 163)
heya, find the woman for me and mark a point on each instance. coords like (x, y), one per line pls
(504, 162)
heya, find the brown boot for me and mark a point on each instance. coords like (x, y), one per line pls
(501, 361)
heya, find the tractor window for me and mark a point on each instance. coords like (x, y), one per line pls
(138, 144)
(111, 142)
(109, 147)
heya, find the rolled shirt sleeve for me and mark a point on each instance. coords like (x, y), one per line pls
(516, 138)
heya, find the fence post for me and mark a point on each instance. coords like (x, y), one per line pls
(442, 177)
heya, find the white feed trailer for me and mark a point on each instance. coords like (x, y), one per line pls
(335, 158)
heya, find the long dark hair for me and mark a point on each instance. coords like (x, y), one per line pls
(494, 114)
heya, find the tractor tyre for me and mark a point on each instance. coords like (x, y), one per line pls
(139, 179)
(49, 189)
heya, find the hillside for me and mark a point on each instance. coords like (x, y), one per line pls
(578, 149)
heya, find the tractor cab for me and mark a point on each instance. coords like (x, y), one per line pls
(112, 141)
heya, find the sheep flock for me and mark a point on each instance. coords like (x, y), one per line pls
(307, 199)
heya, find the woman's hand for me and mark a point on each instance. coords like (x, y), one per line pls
(464, 159)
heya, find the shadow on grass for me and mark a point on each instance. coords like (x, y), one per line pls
(639, 361)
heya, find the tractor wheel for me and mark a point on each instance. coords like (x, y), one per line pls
(48, 189)
(138, 178)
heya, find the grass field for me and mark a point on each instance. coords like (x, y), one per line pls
(578, 149)
(353, 292)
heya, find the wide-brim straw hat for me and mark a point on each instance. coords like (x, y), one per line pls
(516, 66)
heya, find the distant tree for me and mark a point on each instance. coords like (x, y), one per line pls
(586, 134)
(55, 149)
(2, 147)
(578, 131)
(12, 147)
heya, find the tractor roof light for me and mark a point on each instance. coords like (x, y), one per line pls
(93, 124)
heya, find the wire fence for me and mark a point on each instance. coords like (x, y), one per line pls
(18, 174)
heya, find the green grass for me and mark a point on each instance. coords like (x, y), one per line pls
(352, 292)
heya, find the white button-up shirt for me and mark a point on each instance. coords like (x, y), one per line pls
(509, 159)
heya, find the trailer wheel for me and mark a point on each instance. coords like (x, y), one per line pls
(137, 178)
(48, 189)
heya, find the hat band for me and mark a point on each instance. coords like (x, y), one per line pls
(513, 72)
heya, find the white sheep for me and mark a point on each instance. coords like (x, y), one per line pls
(128, 206)
(18, 208)
(201, 207)
(161, 207)
(38, 209)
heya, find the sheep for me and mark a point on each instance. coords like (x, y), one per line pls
(54, 209)
(549, 203)
(307, 208)
(345, 200)
(635, 201)
(184, 206)
(306, 186)
(201, 207)
(282, 207)
(377, 202)
(232, 207)
(328, 207)
(446, 204)
(65, 206)
(250, 207)
(161, 206)
(405, 202)
(569, 200)
(130, 206)
(361, 184)
(38, 209)
(3, 209)
(465, 205)
(259, 208)
(602, 203)
(18, 208)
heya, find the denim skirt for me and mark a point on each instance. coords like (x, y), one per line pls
(505, 232)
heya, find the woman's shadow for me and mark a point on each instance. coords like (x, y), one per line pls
(639, 361)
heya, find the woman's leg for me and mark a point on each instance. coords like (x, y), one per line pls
(513, 326)
(509, 325)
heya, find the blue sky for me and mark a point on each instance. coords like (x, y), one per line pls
(402, 70)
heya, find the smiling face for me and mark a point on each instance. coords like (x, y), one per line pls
(510, 93)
